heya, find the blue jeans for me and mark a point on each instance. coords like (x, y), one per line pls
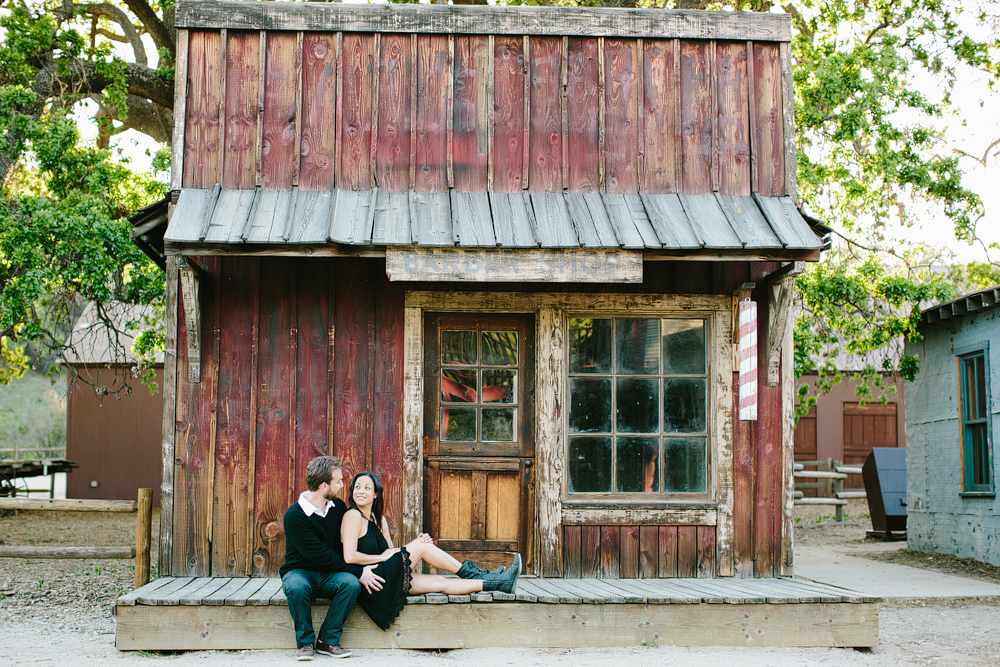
(303, 586)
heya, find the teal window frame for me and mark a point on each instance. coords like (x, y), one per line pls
(976, 421)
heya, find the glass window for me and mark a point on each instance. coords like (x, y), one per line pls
(638, 397)
(975, 422)
(479, 369)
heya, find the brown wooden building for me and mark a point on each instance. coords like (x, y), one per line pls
(839, 427)
(491, 254)
(114, 439)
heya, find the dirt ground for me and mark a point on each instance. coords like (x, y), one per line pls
(60, 611)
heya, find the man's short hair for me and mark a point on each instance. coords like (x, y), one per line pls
(320, 470)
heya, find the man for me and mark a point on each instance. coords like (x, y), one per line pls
(314, 562)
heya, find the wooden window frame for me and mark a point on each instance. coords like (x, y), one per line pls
(969, 488)
(551, 311)
(659, 499)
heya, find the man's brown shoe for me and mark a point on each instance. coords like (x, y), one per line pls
(334, 651)
(304, 652)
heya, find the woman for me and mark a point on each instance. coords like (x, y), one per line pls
(365, 534)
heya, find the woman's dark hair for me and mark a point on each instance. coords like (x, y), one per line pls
(378, 506)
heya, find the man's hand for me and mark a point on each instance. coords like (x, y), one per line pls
(371, 581)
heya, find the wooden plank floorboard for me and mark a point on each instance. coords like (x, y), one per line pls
(694, 587)
(566, 595)
(240, 597)
(542, 593)
(613, 594)
(169, 591)
(195, 596)
(130, 599)
(219, 596)
(154, 597)
(546, 593)
(263, 596)
(673, 593)
(176, 596)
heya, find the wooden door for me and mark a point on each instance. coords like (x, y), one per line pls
(866, 426)
(478, 443)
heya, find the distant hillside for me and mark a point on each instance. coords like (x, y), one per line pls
(33, 417)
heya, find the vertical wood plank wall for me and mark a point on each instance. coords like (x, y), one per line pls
(428, 112)
(304, 357)
(294, 351)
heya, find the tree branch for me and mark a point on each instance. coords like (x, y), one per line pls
(986, 153)
(131, 34)
(162, 36)
(143, 116)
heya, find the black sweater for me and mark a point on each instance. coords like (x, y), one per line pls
(313, 542)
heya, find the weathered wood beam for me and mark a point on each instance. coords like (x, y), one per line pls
(180, 112)
(602, 22)
(68, 505)
(781, 287)
(190, 275)
(68, 552)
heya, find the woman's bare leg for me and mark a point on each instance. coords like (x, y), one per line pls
(433, 556)
(435, 583)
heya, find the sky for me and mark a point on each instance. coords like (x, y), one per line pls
(974, 124)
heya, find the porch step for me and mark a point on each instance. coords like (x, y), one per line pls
(242, 613)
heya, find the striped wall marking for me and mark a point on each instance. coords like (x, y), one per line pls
(747, 355)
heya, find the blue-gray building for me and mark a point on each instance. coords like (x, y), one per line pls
(952, 426)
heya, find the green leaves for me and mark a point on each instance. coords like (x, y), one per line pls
(849, 316)
(67, 240)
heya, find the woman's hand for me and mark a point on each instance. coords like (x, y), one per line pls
(387, 554)
(425, 538)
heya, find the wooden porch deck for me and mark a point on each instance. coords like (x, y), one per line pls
(177, 613)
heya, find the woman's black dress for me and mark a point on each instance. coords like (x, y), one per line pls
(384, 606)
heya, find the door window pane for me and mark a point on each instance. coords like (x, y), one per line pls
(458, 347)
(684, 406)
(458, 424)
(638, 465)
(638, 405)
(500, 348)
(590, 405)
(637, 346)
(499, 386)
(684, 347)
(498, 424)
(590, 465)
(684, 469)
(458, 385)
(589, 345)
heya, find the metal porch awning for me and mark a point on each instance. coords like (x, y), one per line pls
(711, 225)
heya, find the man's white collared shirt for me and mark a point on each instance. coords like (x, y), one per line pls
(310, 509)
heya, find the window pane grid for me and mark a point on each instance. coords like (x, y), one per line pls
(628, 434)
(479, 386)
(975, 422)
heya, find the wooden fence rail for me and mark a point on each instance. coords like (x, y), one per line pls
(143, 507)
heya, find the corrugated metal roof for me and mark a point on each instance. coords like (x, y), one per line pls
(489, 220)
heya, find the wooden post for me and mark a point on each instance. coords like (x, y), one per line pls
(143, 530)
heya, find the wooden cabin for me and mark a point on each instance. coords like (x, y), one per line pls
(494, 255)
(953, 425)
(114, 439)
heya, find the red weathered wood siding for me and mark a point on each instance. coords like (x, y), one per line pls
(279, 387)
(432, 111)
(304, 357)
(639, 552)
